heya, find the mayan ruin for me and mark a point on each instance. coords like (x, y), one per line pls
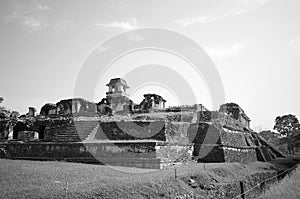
(133, 99)
(121, 132)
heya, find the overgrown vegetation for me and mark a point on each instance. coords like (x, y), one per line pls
(288, 188)
(6, 113)
(287, 135)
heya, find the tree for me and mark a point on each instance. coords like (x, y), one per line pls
(288, 126)
(6, 113)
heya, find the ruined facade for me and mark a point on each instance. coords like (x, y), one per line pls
(148, 140)
(152, 102)
(48, 109)
(117, 100)
(236, 112)
(31, 112)
(75, 106)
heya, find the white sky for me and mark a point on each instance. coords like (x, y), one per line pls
(255, 45)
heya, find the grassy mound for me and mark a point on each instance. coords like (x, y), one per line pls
(36, 179)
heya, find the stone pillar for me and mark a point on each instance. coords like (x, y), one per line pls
(73, 108)
(152, 102)
(31, 112)
(119, 87)
(160, 104)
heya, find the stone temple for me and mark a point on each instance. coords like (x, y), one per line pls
(117, 131)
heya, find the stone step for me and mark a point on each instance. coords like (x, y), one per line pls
(92, 135)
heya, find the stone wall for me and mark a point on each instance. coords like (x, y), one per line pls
(205, 153)
(3, 130)
(215, 144)
(171, 154)
(27, 135)
(173, 141)
(171, 117)
(177, 133)
(233, 139)
(131, 130)
(208, 153)
(228, 122)
(244, 155)
(200, 133)
(122, 154)
(68, 130)
(171, 132)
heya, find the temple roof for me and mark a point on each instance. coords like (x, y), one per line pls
(115, 81)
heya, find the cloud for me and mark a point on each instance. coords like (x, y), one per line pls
(33, 24)
(21, 12)
(224, 52)
(209, 18)
(124, 25)
(241, 7)
(196, 19)
(34, 18)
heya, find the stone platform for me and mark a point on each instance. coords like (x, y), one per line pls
(142, 154)
(151, 144)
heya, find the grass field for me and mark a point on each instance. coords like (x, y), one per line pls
(288, 188)
(37, 179)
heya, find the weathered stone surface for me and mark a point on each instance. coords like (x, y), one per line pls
(3, 129)
(131, 130)
(27, 135)
(171, 153)
(122, 154)
(232, 139)
(69, 131)
(200, 133)
(239, 155)
(171, 142)
(48, 109)
(224, 154)
(176, 132)
(213, 144)
(206, 153)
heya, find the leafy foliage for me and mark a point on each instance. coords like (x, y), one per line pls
(287, 125)
(6, 113)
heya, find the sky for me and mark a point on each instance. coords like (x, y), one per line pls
(253, 44)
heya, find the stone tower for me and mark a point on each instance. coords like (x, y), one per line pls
(116, 95)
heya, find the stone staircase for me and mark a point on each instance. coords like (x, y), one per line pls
(265, 151)
(92, 135)
(76, 132)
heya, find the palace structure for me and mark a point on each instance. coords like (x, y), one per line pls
(117, 131)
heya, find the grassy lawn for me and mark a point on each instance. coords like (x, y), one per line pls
(38, 179)
(288, 188)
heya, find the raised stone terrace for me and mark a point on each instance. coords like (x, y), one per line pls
(153, 140)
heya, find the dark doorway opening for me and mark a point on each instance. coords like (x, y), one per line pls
(20, 126)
